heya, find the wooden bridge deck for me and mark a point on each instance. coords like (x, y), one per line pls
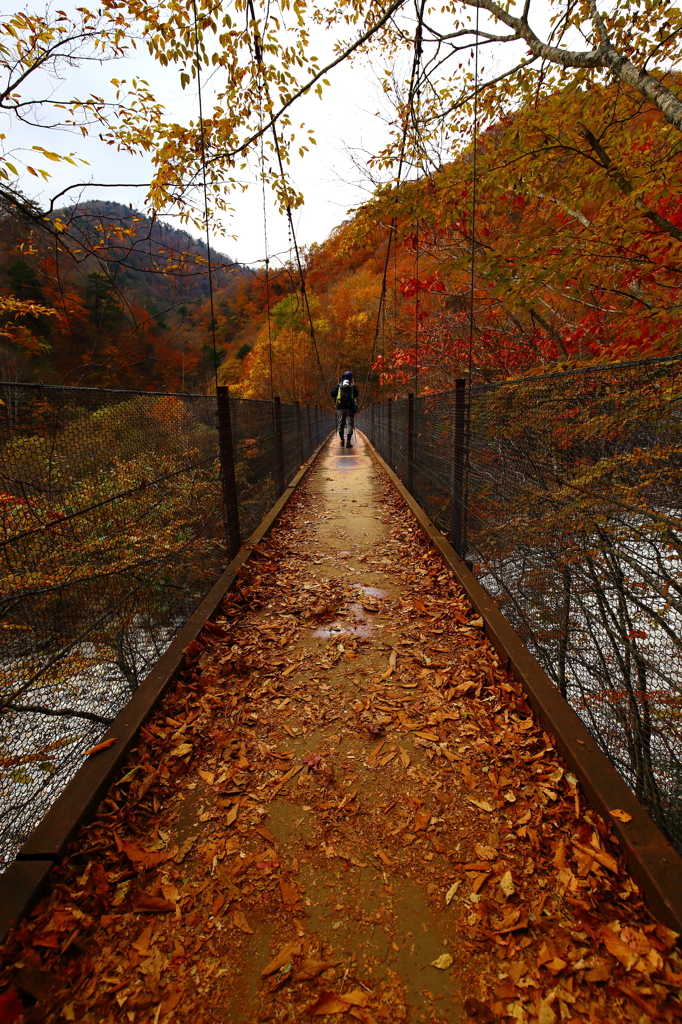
(344, 810)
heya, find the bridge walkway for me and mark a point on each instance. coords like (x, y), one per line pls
(345, 810)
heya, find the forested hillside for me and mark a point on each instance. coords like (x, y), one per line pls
(577, 258)
(114, 299)
(577, 253)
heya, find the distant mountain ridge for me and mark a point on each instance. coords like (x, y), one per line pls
(155, 264)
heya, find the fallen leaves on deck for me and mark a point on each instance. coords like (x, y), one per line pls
(305, 814)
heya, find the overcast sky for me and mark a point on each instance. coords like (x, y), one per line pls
(344, 120)
(350, 118)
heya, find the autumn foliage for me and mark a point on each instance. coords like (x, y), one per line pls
(576, 251)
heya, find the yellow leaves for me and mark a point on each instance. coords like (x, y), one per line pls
(621, 815)
(600, 856)
(483, 805)
(616, 947)
(451, 892)
(507, 884)
(181, 750)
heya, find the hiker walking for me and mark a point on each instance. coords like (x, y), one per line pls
(346, 396)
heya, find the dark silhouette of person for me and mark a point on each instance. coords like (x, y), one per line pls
(345, 394)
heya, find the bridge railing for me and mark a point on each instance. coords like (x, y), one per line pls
(116, 517)
(563, 494)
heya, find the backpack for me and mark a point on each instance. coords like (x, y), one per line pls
(345, 397)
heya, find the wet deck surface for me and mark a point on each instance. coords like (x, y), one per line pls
(345, 810)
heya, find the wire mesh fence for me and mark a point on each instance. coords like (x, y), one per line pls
(113, 527)
(568, 505)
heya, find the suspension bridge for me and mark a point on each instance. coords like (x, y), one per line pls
(272, 750)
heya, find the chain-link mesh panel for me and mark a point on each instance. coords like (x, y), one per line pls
(113, 528)
(573, 524)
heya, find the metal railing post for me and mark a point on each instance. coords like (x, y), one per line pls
(299, 431)
(458, 518)
(226, 450)
(279, 447)
(389, 431)
(410, 442)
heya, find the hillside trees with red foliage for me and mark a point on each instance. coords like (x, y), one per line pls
(577, 253)
(111, 298)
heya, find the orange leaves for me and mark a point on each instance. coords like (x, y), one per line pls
(286, 953)
(147, 904)
(590, 853)
(621, 815)
(291, 896)
(627, 956)
(239, 921)
(140, 857)
(328, 1003)
(104, 745)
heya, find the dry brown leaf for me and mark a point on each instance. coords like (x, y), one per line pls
(286, 953)
(621, 815)
(173, 996)
(514, 920)
(356, 998)
(231, 815)
(559, 859)
(187, 845)
(507, 884)
(141, 944)
(485, 852)
(483, 805)
(600, 973)
(603, 858)
(310, 969)
(208, 777)
(451, 892)
(240, 922)
(421, 820)
(145, 903)
(291, 896)
(480, 880)
(104, 745)
(327, 1003)
(181, 750)
(142, 858)
(616, 947)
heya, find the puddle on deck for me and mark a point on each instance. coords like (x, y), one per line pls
(364, 620)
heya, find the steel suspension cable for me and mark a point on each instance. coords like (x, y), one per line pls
(474, 184)
(472, 285)
(267, 257)
(205, 190)
(258, 53)
(392, 228)
(415, 119)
